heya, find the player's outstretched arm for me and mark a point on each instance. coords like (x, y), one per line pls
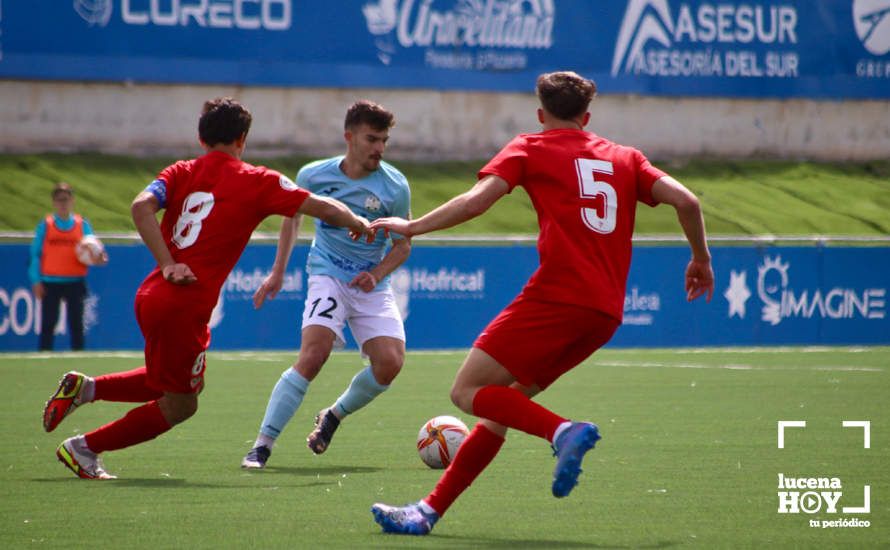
(334, 212)
(287, 236)
(699, 274)
(143, 210)
(458, 210)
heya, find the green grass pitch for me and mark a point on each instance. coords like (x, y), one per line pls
(689, 457)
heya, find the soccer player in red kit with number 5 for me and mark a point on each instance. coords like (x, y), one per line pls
(212, 205)
(585, 190)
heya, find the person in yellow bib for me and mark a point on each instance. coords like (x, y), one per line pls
(55, 272)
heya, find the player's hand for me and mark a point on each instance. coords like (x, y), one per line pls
(269, 289)
(699, 279)
(360, 229)
(396, 225)
(39, 291)
(103, 259)
(365, 281)
(178, 274)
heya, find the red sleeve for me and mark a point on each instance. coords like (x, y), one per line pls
(279, 195)
(509, 163)
(647, 175)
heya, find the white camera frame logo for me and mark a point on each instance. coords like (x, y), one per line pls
(811, 501)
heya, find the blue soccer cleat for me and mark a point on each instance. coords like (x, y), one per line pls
(404, 520)
(569, 450)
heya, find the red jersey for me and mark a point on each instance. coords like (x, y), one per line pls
(585, 190)
(213, 204)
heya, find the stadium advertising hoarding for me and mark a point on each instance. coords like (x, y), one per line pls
(764, 296)
(757, 48)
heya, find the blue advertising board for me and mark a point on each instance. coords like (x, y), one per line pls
(764, 296)
(757, 48)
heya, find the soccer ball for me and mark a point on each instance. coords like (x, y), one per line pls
(439, 439)
(89, 250)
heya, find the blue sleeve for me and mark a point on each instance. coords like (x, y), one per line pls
(302, 180)
(158, 188)
(36, 252)
(87, 228)
(402, 206)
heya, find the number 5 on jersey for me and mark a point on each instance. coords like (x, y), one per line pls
(195, 208)
(601, 219)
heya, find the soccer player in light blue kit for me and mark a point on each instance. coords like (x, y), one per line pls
(348, 282)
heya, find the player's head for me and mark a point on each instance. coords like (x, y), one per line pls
(366, 128)
(565, 95)
(372, 114)
(223, 121)
(63, 199)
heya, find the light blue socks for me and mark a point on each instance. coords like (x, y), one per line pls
(361, 391)
(283, 403)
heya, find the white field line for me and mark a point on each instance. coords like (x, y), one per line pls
(274, 354)
(765, 349)
(658, 365)
(287, 356)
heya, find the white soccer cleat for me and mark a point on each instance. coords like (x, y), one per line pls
(77, 457)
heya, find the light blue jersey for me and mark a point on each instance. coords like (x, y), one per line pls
(381, 194)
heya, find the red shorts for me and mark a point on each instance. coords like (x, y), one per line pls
(537, 342)
(176, 339)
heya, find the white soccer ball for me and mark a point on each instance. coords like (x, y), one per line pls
(439, 439)
(90, 250)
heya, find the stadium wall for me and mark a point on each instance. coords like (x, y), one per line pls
(432, 125)
(148, 119)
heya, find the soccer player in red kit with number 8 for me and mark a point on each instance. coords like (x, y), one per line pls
(585, 190)
(212, 205)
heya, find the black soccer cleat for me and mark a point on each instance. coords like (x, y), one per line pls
(256, 458)
(326, 423)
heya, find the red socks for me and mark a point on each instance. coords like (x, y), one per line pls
(506, 406)
(125, 387)
(512, 408)
(140, 424)
(476, 452)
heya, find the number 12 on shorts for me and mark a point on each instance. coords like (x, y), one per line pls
(601, 219)
(326, 308)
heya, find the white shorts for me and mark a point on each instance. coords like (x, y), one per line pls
(331, 303)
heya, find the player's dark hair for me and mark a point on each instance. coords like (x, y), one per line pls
(565, 94)
(223, 120)
(62, 188)
(370, 113)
